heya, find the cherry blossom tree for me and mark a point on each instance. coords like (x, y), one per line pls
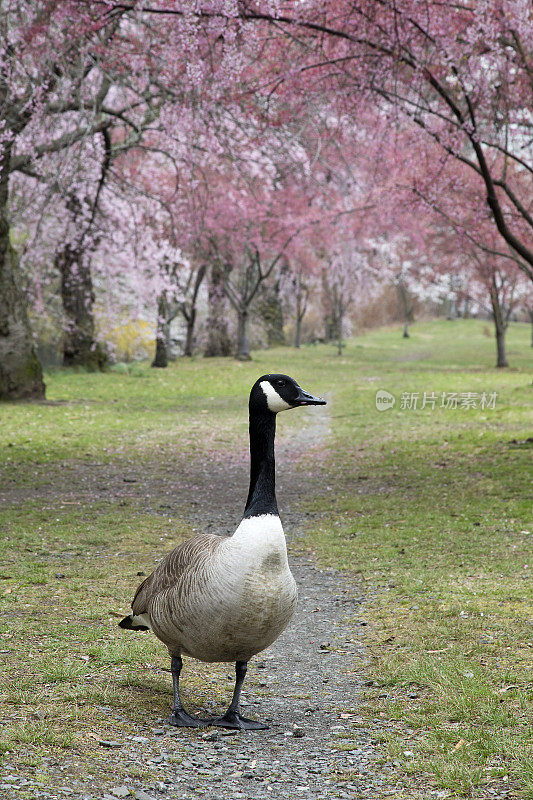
(482, 277)
(231, 134)
(180, 299)
(296, 285)
(459, 74)
(242, 209)
(73, 261)
(469, 249)
(66, 69)
(218, 338)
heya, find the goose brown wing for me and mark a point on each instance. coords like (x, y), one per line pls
(188, 556)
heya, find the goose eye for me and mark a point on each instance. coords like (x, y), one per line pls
(280, 383)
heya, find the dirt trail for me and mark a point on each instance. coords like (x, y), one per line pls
(310, 678)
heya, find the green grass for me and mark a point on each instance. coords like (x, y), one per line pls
(433, 512)
(63, 571)
(428, 508)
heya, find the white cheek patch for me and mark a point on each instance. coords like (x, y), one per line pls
(275, 403)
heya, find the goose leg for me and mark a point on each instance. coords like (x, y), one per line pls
(179, 717)
(233, 718)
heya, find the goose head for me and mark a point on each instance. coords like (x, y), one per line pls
(278, 392)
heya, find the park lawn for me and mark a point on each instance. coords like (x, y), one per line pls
(427, 508)
(68, 675)
(433, 512)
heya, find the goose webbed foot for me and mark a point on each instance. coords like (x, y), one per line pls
(180, 719)
(235, 720)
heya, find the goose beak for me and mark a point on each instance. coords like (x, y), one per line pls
(306, 399)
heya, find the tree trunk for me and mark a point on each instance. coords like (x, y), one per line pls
(499, 325)
(80, 348)
(331, 328)
(21, 374)
(329, 306)
(271, 311)
(218, 339)
(407, 308)
(162, 333)
(190, 312)
(339, 335)
(500, 347)
(301, 306)
(171, 354)
(298, 330)
(452, 312)
(189, 338)
(243, 344)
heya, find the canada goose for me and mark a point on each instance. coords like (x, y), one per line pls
(226, 599)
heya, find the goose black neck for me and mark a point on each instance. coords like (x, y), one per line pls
(262, 493)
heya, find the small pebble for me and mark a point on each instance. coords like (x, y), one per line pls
(109, 743)
(211, 737)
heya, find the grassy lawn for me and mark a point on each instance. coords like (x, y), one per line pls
(430, 508)
(433, 511)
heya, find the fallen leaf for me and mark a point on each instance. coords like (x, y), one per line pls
(460, 744)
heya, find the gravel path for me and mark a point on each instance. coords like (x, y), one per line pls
(305, 686)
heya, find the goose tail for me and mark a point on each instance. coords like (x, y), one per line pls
(132, 622)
